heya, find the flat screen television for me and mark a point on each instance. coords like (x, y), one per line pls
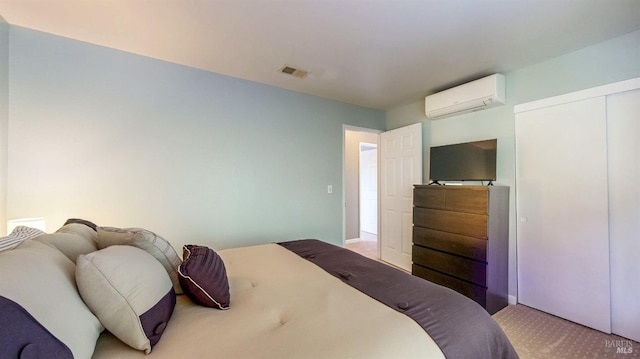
(471, 161)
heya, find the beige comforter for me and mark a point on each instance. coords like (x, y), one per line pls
(283, 306)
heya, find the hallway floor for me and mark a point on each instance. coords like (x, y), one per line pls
(367, 245)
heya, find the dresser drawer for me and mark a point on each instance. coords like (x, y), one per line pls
(475, 292)
(467, 200)
(429, 197)
(470, 247)
(459, 267)
(467, 224)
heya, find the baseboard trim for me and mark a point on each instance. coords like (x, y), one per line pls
(513, 300)
(352, 240)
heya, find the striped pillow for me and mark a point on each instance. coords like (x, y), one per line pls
(19, 235)
(203, 277)
(148, 241)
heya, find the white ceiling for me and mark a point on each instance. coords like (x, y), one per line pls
(373, 53)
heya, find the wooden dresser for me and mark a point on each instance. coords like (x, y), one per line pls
(461, 240)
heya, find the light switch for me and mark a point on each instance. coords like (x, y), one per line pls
(329, 189)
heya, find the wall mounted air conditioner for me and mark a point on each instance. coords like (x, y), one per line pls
(473, 96)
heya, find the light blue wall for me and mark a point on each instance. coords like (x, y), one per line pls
(614, 60)
(4, 119)
(199, 157)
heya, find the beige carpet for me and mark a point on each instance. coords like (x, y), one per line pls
(538, 335)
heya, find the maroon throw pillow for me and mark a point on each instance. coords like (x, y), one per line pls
(203, 277)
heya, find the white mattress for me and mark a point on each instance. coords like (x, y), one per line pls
(283, 306)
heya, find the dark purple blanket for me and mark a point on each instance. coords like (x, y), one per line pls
(461, 328)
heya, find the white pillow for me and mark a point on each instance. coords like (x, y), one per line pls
(148, 241)
(40, 279)
(129, 291)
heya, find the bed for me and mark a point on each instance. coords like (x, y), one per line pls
(296, 299)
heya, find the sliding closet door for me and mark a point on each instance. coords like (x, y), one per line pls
(562, 209)
(623, 119)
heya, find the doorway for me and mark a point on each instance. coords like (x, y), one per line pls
(361, 191)
(400, 167)
(368, 191)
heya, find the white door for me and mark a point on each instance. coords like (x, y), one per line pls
(400, 169)
(562, 205)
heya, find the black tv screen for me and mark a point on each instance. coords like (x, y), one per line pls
(471, 161)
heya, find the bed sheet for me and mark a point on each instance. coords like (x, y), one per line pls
(283, 306)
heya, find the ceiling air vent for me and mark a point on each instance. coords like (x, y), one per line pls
(294, 72)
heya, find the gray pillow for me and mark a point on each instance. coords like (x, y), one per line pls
(72, 240)
(22, 336)
(41, 280)
(129, 291)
